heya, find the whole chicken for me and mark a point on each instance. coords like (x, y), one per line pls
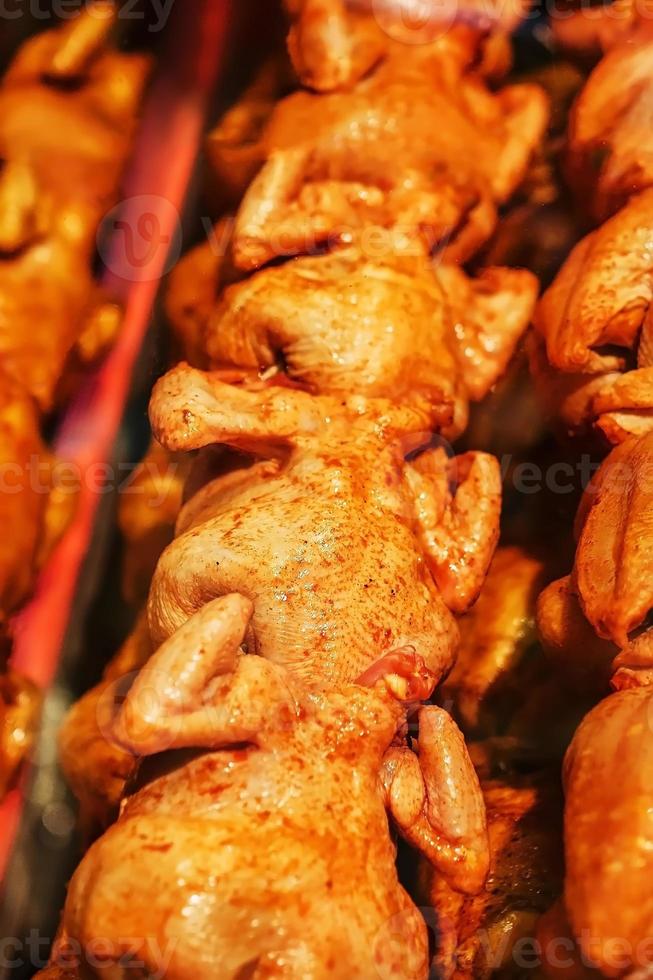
(375, 559)
(419, 144)
(392, 325)
(67, 116)
(259, 837)
(289, 576)
(347, 549)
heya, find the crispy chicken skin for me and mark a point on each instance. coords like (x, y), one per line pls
(267, 852)
(371, 158)
(395, 324)
(346, 549)
(67, 115)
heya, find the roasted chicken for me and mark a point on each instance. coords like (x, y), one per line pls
(326, 541)
(594, 323)
(592, 355)
(267, 803)
(372, 160)
(393, 326)
(67, 114)
(411, 540)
